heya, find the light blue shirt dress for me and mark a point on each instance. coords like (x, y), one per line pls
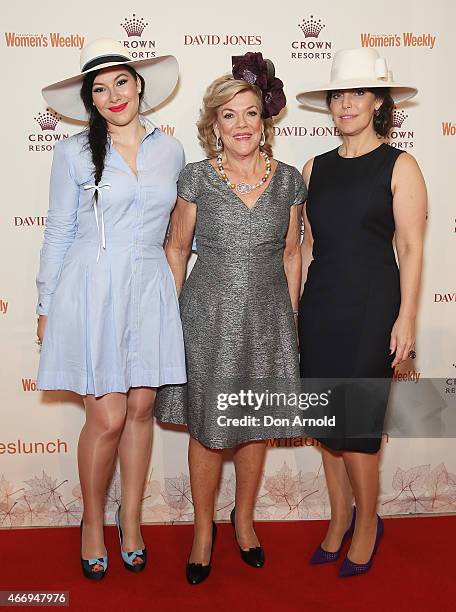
(104, 281)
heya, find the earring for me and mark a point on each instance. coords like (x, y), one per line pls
(218, 144)
(263, 139)
(377, 112)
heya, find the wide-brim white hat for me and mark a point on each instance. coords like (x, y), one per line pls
(160, 73)
(353, 69)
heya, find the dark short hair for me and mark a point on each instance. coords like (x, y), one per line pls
(383, 120)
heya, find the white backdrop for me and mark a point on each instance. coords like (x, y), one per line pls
(40, 45)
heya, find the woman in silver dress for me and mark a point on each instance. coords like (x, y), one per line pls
(239, 302)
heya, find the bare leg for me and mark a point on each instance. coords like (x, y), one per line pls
(205, 466)
(248, 463)
(363, 471)
(340, 498)
(134, 455)
(97, 450)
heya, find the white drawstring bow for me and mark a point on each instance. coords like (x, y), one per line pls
(97, 189)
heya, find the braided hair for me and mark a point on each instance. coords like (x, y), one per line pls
(97, 130)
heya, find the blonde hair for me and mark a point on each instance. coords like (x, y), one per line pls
(219, 92)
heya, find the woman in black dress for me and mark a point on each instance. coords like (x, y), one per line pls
(357, 312)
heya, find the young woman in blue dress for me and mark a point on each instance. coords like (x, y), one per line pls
(108, 312)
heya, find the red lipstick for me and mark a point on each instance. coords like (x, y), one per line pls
(119, 108)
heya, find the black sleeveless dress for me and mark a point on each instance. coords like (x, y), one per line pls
(352, 295)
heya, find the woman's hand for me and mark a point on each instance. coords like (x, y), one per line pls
(402, 339)
(42, 319)
(409, 208)
(180, 237)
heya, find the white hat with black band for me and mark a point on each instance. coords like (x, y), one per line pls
(160, 73)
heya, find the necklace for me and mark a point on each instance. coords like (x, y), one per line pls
(245, 187)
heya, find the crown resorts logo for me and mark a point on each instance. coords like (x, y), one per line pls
(398, 136)
(48, 120)
(450, 385)
(137, 46)
(311, 28)
(398, 118)
(311, 48)
(45, 139)
(133, 26)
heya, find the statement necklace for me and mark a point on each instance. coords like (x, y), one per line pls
(245, 187)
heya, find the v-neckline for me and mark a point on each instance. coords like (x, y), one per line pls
(238, 199)
(134, 174)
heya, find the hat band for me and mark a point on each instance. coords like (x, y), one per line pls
(105, 59)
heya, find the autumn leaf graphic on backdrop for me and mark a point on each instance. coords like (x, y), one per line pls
(285, 494)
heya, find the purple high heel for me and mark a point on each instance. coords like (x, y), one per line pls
(324, 556)
(348, 568)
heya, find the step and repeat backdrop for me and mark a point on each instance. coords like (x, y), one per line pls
(40, 44)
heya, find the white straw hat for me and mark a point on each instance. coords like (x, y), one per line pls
(356, 68)
(160, 73)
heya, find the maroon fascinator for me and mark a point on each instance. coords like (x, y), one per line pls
(256, 70)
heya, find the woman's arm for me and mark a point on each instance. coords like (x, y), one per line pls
(60, 230)
(307, 242)
(409, 208)
(179, 242)
(292, 256)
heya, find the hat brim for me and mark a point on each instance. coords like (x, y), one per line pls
(160, 73)
(315, 97)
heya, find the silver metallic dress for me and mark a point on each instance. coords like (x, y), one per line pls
(235, 305)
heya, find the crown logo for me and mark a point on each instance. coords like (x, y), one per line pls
(398, 118)
(47, 120)
(134, 26)
(311, 28)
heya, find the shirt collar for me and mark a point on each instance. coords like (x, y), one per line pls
(147, 124)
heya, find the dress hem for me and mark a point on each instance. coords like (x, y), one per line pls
(212, 446)
(114, 385)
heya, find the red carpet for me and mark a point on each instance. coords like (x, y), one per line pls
(414, 570)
